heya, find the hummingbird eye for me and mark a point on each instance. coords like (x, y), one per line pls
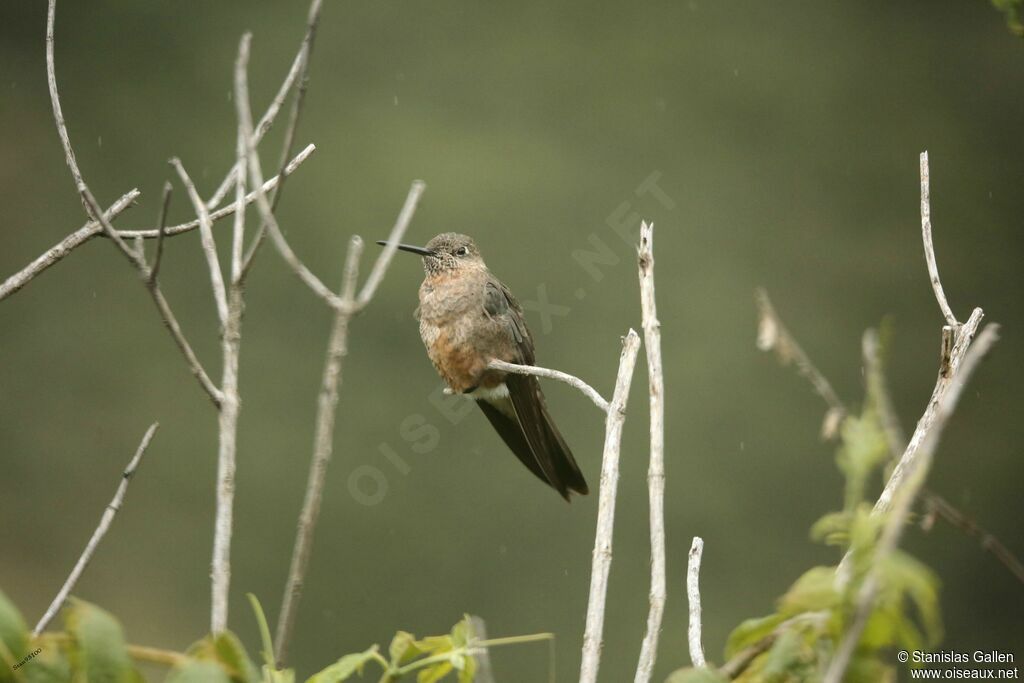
(461, 251)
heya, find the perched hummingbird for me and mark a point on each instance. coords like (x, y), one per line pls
(467, 318)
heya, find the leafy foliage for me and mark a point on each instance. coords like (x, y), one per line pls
(92, 648)
(796, 642)
(1014, 11)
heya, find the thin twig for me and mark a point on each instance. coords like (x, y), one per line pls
(929, 248)
(57, 252)
(656, 467)
(92, 208)
(101, 530)
(914, 477)
(161, 223)
(602, 559)
(772, 335)
(256, 176)
(223, 212)
(238, 224)
(305, 52)
(565, 377)
(263, 126)
(484, 671)
(693, 633)
(220, 297)
(92, 229)
(380, 266)
(323, 445)
(936, 504)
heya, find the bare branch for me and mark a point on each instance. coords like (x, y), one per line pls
(914, 476)
(484, 671)
(772, 335)
(92, 208)
(931, 414)
(238, 226)
(224, 212)
(656, 467)
(220, 297)
(937, 505)
(572, 381)
(101, 530)
(93, 229)
(160, 226)
(264, 125)
(305, 52)
(256, 176)
(929, 248)
(380, 266)
(693, 594)
(323, 445)
(57, 252)
(602, 559)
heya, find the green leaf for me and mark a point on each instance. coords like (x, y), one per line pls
(435, 644)
(462, 632)
(98, 653)
(692, 675)
(468, 670)
(261, 621)
(404, 648)
(226, 650)
(342, 669)
(785, 656)
(198, 671)
(921, 585)
(434, 673)
(13, 636)
(813, 591)
(833, 528)
(750, 632)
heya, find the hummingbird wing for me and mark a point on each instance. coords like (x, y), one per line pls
(525, 425)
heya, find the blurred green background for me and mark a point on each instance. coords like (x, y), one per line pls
(786, 136)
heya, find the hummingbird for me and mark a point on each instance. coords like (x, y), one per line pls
(467, 318)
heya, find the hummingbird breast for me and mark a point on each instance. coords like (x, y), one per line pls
(460, 336)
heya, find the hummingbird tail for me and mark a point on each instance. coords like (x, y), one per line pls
(523, 422)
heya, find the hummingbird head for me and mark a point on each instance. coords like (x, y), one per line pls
(447, 252)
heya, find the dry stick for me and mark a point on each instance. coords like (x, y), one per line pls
(380, 266)
(351, 305)
(229, 210)
(929, 249)
(160, 226)
(305, 51)
(93, 210)
(262, 127)
(55, 253)
(602, 560)
(238, 225)
(220, 297)
(101, 530)
(934, 504)
(907, 493)
(656, 468)
(256, 176)
(572, 381)
(772, 335)
(94, 229)
(323, 443)
(693, 633)
(908, 476)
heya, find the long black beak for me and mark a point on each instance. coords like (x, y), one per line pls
(408, 247)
